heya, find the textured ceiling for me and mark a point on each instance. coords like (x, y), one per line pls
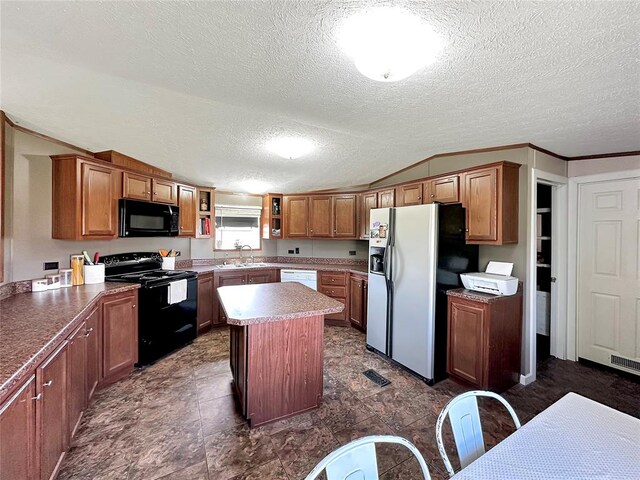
(198, 87)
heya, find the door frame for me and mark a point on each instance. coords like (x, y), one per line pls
(574, 244)
(559, 249)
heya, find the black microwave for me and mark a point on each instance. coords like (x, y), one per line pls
(148, 219)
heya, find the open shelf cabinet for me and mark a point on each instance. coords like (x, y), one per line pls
(204, 219)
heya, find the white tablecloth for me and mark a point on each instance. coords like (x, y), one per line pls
(575, 438)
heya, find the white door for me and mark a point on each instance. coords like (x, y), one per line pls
(609, 273)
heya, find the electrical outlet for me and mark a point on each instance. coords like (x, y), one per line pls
(352, 252)
(297, 250)
(291, 252)
(50, 266)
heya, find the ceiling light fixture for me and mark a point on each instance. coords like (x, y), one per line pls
(290, 147)
(388, 44)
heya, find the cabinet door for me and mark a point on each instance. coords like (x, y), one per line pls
(365, 299)
(465, 349)
(137, 187)
(320, 217)
(481, 204)
(261, 276)
(18, 434)
(205, 302)
(77, 375)
(99, 199)
(386, 198)
(164, 191)
(344, 213)
(368, 201)
(222, 281)
(119, 336)
(187, 205)
(355, 301)
(93, 352)
(442, 190)
(296, 216)
(51, 412)
(410, 194)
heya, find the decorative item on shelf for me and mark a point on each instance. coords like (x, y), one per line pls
(53, 281)
(66, 277)
(204, 206)
(275, 209)
(77, 268)
(39, 285)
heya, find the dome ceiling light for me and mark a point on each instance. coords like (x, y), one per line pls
(290, 147)
(388, 44)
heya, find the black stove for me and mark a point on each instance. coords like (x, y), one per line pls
(166, 322)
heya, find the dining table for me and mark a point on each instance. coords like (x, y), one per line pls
(575, 438)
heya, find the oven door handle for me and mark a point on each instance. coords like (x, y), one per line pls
(166, 284)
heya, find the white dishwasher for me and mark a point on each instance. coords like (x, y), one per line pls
(305, 277)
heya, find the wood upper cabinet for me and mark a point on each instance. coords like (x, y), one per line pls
(490, 197)
(18, 434)
(187, 202)
(368, 201)
(205, 302)
(93, 351)
(358, 302)
(410, 194)
(484, 339)
(320, 216)
(119, 335)
(345, 216)
(51, 412)
(164, 191)
(387, 198)
(77, 375)
(136, 187)
(85, 199)
(442, 190)
(296, 216)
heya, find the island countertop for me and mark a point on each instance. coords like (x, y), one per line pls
(272, 302)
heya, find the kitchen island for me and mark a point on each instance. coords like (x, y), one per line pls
(276, 353)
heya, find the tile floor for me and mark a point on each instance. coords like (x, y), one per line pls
(177, 419)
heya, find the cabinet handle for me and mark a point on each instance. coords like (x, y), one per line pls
(466, 229)
(133, 306)
(88, 332)
(37, 397)
(48, 384)
(433, 195)
(333, 279)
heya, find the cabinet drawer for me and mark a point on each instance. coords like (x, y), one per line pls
(334, 292)
(332, 279)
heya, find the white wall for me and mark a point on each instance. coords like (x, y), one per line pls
(578, 168)
(324, 248)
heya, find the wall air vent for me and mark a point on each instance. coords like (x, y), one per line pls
(625, 362)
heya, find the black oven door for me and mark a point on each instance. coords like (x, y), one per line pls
(147, 219)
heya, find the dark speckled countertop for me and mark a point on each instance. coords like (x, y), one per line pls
(272, 302)
(33, 323)
(291, 266)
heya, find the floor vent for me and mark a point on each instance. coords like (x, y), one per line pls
(376, 378)
(625, 362)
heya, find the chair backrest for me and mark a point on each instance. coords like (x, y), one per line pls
(464, 417)
(357, 460)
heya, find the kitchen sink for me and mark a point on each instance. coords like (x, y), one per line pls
(242, 265)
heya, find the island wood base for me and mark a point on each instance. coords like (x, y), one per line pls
(277, 368)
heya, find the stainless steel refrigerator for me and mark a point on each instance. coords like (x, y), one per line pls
(416, 254)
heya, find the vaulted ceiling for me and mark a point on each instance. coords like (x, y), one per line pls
(198, 88)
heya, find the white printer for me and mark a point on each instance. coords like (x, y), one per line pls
(496, 280)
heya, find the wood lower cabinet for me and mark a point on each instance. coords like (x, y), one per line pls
(262, 276)
(187, 202)
(136, 187)
(94, 348)
(442, 190)
(484, 339)
(85, 199)
(320, 216)
(205, 302)
(164, 191)
(334, 285)
(77, 375)
(296, 216)
(490, 197)
(368, 201)
(345, 216)
(51, 411)
(119, 336)
(358, 289)
(18, 434)
(407, 195)
(223, 279)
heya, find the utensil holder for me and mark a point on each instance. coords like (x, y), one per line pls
(94, 273)
(168, 263)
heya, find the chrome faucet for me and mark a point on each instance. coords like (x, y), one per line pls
(250, 253)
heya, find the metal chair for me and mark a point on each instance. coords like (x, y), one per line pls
(465, 422)
(357, 460)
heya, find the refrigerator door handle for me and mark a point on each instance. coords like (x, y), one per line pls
(389, 278)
